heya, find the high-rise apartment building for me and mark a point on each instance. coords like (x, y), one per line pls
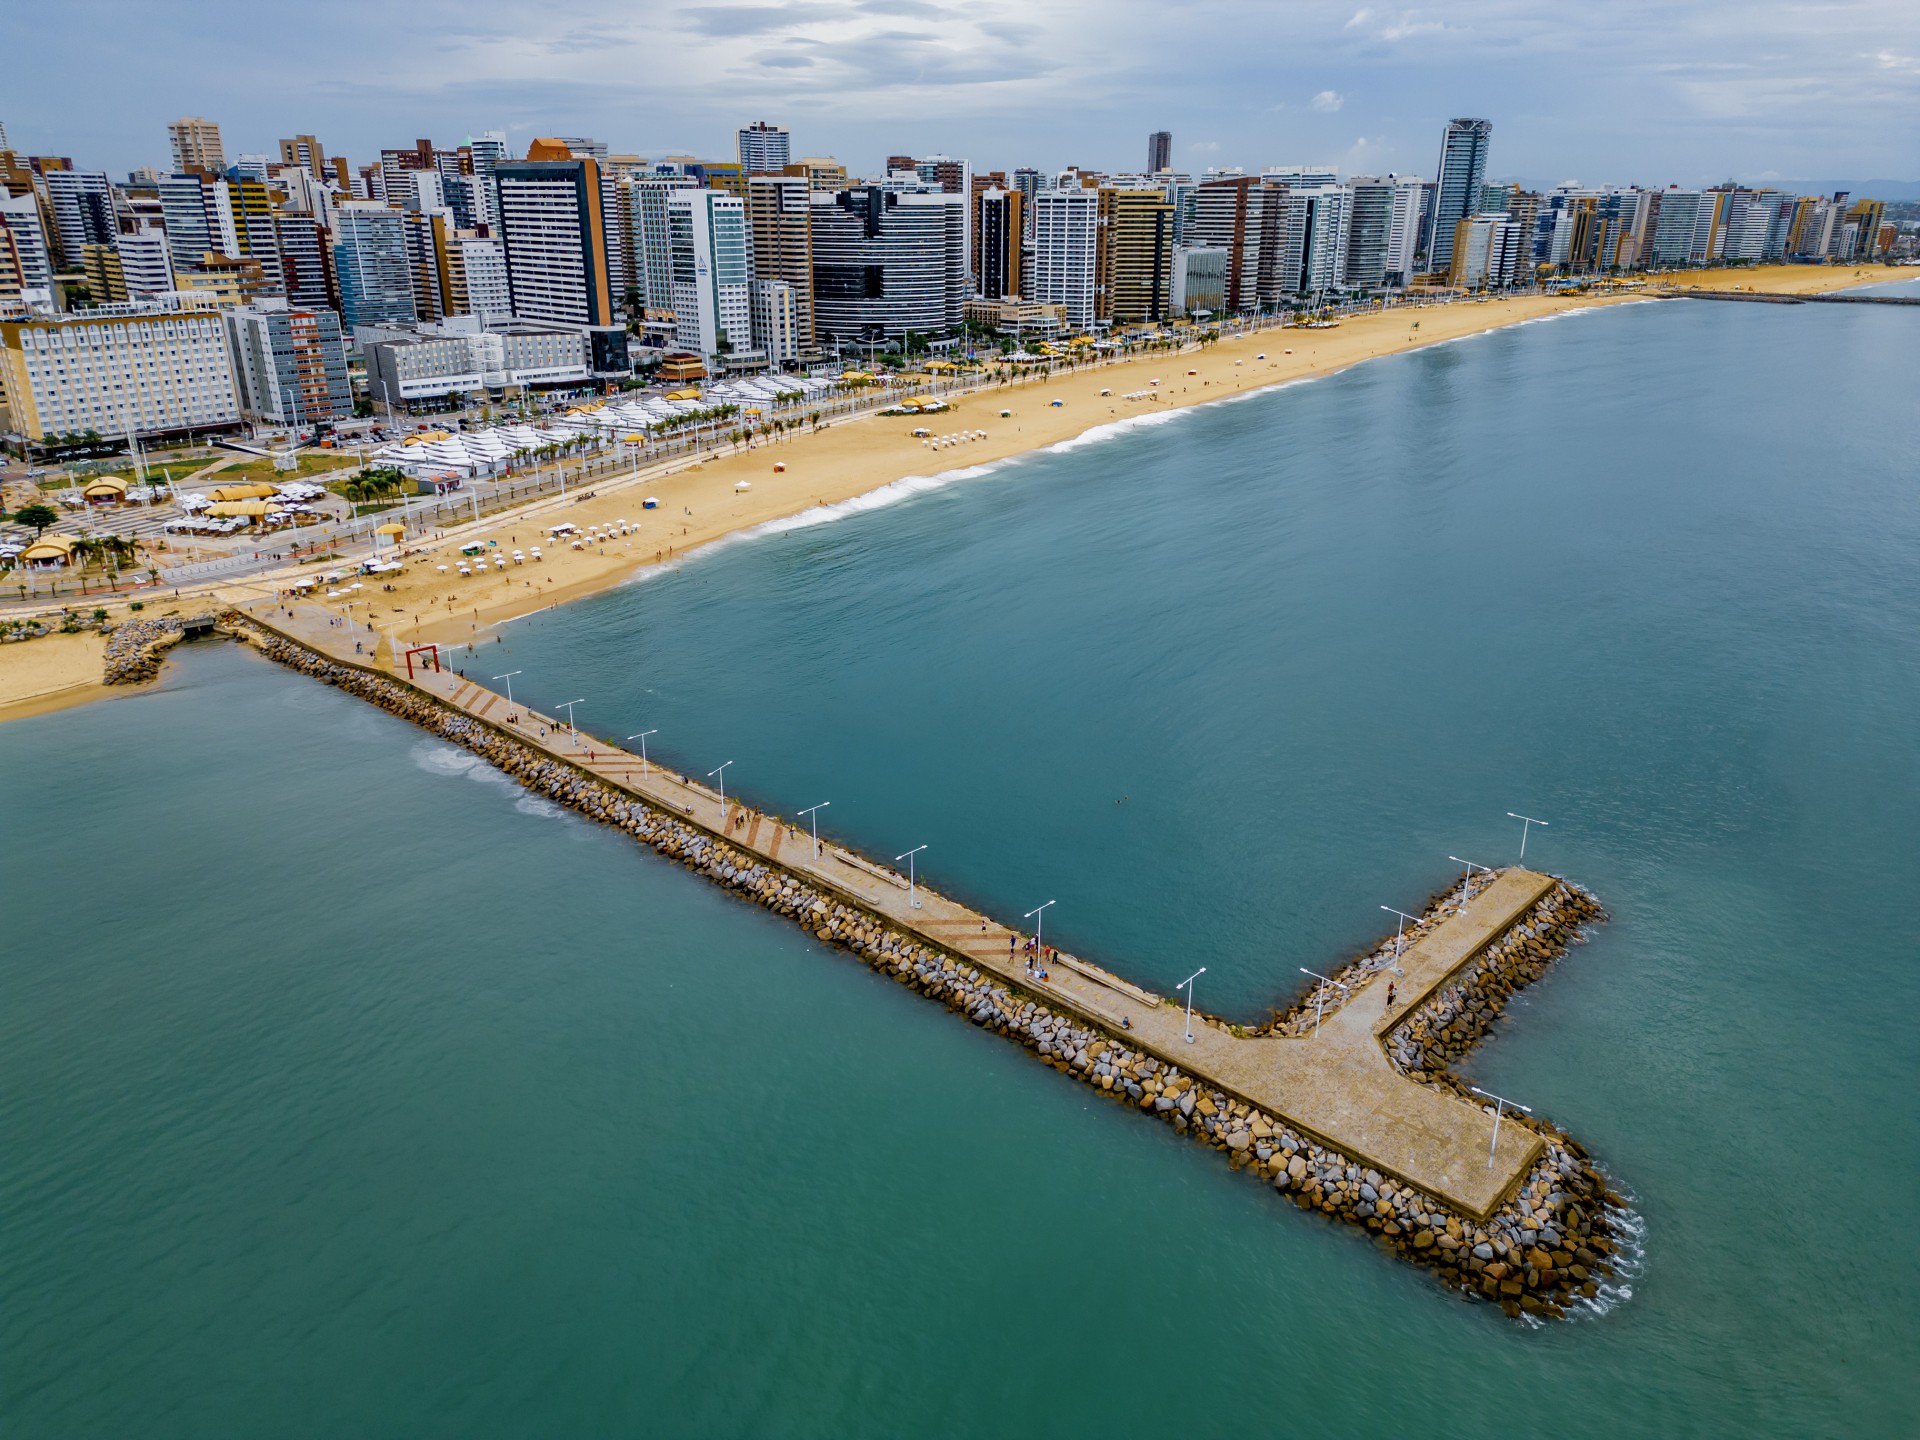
(306, 262)
(289, 366)
(146, 264)
(553, 225)
(711, 254)
(1315, 229)
(999, 233)
(30, 256)
(1370, 236)
(822, 172)
(1231, 214)
(488, 150)
(198, 211)
(1457, 182)
(763, 149)
(1159, 151)
(886, 261)
(82, 205)
(305, 152)
(1133, 266)
(1483, 252)
(1065, 255)
(195, 146)
(1403, 237)
(1673, 226)
(371, 265)
(485, 289)
(780, 215)
(118, 368)
(646, 207)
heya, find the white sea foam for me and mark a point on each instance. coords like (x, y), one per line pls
(438, 758)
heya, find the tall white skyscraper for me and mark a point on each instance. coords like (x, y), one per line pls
(488, 150)
(20, 217)
(711, 257)
(764, 148)
(1403, 238)
(483, 265)
(1462, 170)
(1066, 231)
(652, 268)
(145, 262)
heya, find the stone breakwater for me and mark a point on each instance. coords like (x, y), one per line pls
(134, 650)
(1455, 1017)
(1548, 1249)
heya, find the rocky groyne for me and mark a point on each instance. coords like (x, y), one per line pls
(1549, 1248)
(135, 649)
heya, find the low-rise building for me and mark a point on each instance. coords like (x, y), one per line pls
(459, 358)
(1012, 316)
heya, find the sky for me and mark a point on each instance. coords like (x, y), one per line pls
(1630, 92)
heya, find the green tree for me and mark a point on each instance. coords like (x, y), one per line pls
(35, 517)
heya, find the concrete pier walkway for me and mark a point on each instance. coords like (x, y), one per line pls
(1337, 1085)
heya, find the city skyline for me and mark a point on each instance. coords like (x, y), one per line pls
(1645, 98)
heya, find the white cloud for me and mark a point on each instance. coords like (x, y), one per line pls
(1328, 101)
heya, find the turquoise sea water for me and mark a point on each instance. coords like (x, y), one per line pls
(346, 1089)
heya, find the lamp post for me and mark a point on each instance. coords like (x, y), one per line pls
(908, 857)
(1320, 995)
(812, 812)
(508, 677)
(1187, 985)
(720, 773)
(1039, 917)
(568, 707)
(1399, 925)
(1466, 891)
(642, 738)
(1527, 822)
(1499, 1104)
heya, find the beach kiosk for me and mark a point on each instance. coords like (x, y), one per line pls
(106, 490)
(49, 552)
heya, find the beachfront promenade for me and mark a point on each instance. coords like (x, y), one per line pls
(1338, 1084)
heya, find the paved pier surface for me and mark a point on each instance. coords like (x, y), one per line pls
(1337, 1085)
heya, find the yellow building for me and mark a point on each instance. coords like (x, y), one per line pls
(117, 368)
(1133, 261)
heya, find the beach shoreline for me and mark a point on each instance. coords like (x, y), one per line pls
(723, 496)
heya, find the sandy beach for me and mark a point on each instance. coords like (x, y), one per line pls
(50, 673)
(700, 503)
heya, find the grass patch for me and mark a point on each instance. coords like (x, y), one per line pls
(261, 469)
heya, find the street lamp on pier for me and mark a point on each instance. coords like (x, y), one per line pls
(912, 900)
(568, 707)
(812, 812)
(1499, 1104)
(642, 738)
(1466, 891)
(1527, 822)
(1187, 985)
(508, 677)
(1399, 925)
(721, 775)
(1039, 917)
(1320, 994)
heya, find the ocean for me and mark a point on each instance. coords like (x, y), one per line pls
(346, 1088)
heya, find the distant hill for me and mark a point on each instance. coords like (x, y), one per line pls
(1859, 189)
